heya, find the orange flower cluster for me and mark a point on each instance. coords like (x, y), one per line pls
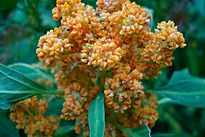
(29, 116)
(116, 39)
(77, 100)
(142, 112)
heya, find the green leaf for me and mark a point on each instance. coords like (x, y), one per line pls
(180, 76)
(31, 71)
(142, 131)
(171, 135)
(63, 130)
(14, 87)
(7, 127)
(184, 89)
(96, 116)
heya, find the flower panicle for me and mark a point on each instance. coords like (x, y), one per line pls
(30, 116)
(115, 38)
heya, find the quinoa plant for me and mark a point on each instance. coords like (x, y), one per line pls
(93, 74)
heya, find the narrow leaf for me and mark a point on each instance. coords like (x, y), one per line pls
(31, 71)
(184, 89)
(142, 131)
(14, 87)
(96, 116)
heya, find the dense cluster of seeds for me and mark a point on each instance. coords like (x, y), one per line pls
(29, 116)
(115, 39)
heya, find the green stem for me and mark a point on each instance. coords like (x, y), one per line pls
(175, 126)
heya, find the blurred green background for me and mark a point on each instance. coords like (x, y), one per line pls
(22, 22)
